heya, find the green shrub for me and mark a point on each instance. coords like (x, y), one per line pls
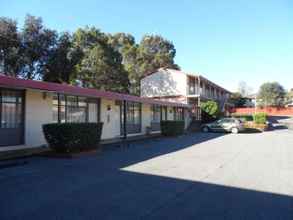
(172, 128)
(260, 118)
(210, 107)
(206, 118)
(73, 137)
(209, 111)
(243, 117)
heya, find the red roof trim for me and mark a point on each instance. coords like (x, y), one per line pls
(10, 82)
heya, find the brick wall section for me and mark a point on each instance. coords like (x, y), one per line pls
(273, 111)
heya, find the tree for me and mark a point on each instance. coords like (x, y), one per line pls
(37, 42)
(121, 42)
(271, 94)
(155, 52)
(152, 53)
(9, 47)
(289, 97)
(62, 60)
(101, 66)
(244, 89)
(89, 57)
(237, 99)
(126, 46)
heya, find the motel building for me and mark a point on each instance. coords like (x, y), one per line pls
(184, 87)
(25, 105)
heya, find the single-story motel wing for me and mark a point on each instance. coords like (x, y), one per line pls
(25, 105)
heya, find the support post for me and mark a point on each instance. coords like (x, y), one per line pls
(124, 123)
(198, 110)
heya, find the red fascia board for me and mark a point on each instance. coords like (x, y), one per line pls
(11, 82)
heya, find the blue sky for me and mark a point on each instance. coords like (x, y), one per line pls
(225, 40)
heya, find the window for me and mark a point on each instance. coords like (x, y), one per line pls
(76, 109)
(133, 117)
(164, 113)
(71, 108)
(178, 114)
(156, 113)
(191, 85)
(133, 113)
(11, 109)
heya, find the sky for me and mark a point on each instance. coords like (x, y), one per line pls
(227, 41)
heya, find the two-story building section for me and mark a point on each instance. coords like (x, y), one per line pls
(188, 88)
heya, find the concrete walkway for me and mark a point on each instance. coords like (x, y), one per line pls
(199, 176)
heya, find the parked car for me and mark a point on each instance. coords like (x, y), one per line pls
(232, 125)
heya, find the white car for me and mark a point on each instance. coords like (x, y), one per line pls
(232, 125)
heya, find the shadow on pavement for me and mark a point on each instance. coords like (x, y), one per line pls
(95, 187)
(146, 149)
(276, 119)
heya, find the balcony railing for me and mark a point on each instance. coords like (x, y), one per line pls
(206, 93)
(192, 90)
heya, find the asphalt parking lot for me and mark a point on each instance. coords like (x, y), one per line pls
(196, 176)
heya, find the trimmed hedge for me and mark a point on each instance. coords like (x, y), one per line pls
(260, 118)
(73, 137)
(172, 128)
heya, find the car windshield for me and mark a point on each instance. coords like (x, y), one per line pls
(225, 120)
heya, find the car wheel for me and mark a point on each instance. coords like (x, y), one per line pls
(205, 129)
(234, 130)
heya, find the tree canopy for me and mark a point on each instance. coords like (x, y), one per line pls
(86, 57)
(238, 100)
(244, 89)
(9, 46)
(289, 97)
(62, 60)
(271, 94)
(36, 43)
(241, 101)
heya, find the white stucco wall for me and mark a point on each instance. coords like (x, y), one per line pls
(111, 119)
(38, 111)
(164, 83)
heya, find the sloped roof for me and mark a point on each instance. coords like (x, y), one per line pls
(10, 82)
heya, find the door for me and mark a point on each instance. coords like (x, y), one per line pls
(11, 117)
(133, 118)
(156, 118)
